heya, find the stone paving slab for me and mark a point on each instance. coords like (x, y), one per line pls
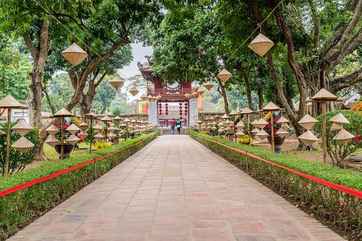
(175, 190)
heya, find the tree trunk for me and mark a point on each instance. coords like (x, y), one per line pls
(224, 96)
(40, 54)
(259, 91)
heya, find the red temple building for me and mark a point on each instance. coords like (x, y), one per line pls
(169, 102)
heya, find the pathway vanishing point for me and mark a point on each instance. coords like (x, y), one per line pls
(175, 190)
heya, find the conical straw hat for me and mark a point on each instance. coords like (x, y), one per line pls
(72, 139)
(63, 113)
(22, 127)
(91, 114)
(73, 128)
(240, 124)
(261, 133)
(117, 83)
(225, 116)
(343, 136)
(239, 133)
(308, 138)
(106, 118)
(271, 107)
(83, 125)
(52, 129)
(282, 120)
(339, 118)
(282, 133)
(261, 123)
(324, 95)
(246, 111)
(224, 75)
(307, 122)
(51, 140)
(261, 44)
(23, 145)
(11, 102)
(208, 85)
(98, 136)
(74, 54)
(97, 127)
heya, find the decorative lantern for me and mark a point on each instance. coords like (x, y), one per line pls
(246, 111)
(117, 83)
(338, 121)
(262, 134)
(98, 136)
(52, 130)
(51, 140)
(63, 113)
(73, 129)
(97, 127)
(133, 91)
(307, 122)
(343, 136)
(23, 145)
(72, 139)
(208, 85)
(224, 76)
(261, 123)
(324, 95)
(239, 133)
(10, 102)
(240, 125)
(271, 107)
(282, 120)
(308, 138)
(22, 127)
(261, 44)
(74, 54)
(282, 132)
(83, 126)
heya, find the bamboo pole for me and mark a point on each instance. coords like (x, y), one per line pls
(272, 131)
(61, 138)
(324, 131)
(8, 144)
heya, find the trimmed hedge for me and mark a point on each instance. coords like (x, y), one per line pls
(336, 209)
(20, 208)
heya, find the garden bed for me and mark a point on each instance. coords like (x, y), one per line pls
(28, 195)
(331, 194)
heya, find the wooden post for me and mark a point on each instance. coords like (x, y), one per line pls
(324, 131)
(272, 131)
(91, 134)
(8, 144)
(61, 138)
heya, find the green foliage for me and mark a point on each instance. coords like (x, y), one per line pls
(18, 160)
(330, 173)
(34, 201)
(338, 210)
(14, 69)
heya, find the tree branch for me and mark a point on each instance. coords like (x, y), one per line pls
(346, 81)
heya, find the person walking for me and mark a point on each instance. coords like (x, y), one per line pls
(173, 124)
(178, 126)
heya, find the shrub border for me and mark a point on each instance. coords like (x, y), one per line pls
(21, 204)
(337, 206)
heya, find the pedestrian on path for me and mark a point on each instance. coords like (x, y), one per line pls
(178, 126)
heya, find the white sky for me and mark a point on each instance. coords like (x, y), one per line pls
(139, 52)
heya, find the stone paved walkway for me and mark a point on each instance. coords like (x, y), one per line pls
(175, 190)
